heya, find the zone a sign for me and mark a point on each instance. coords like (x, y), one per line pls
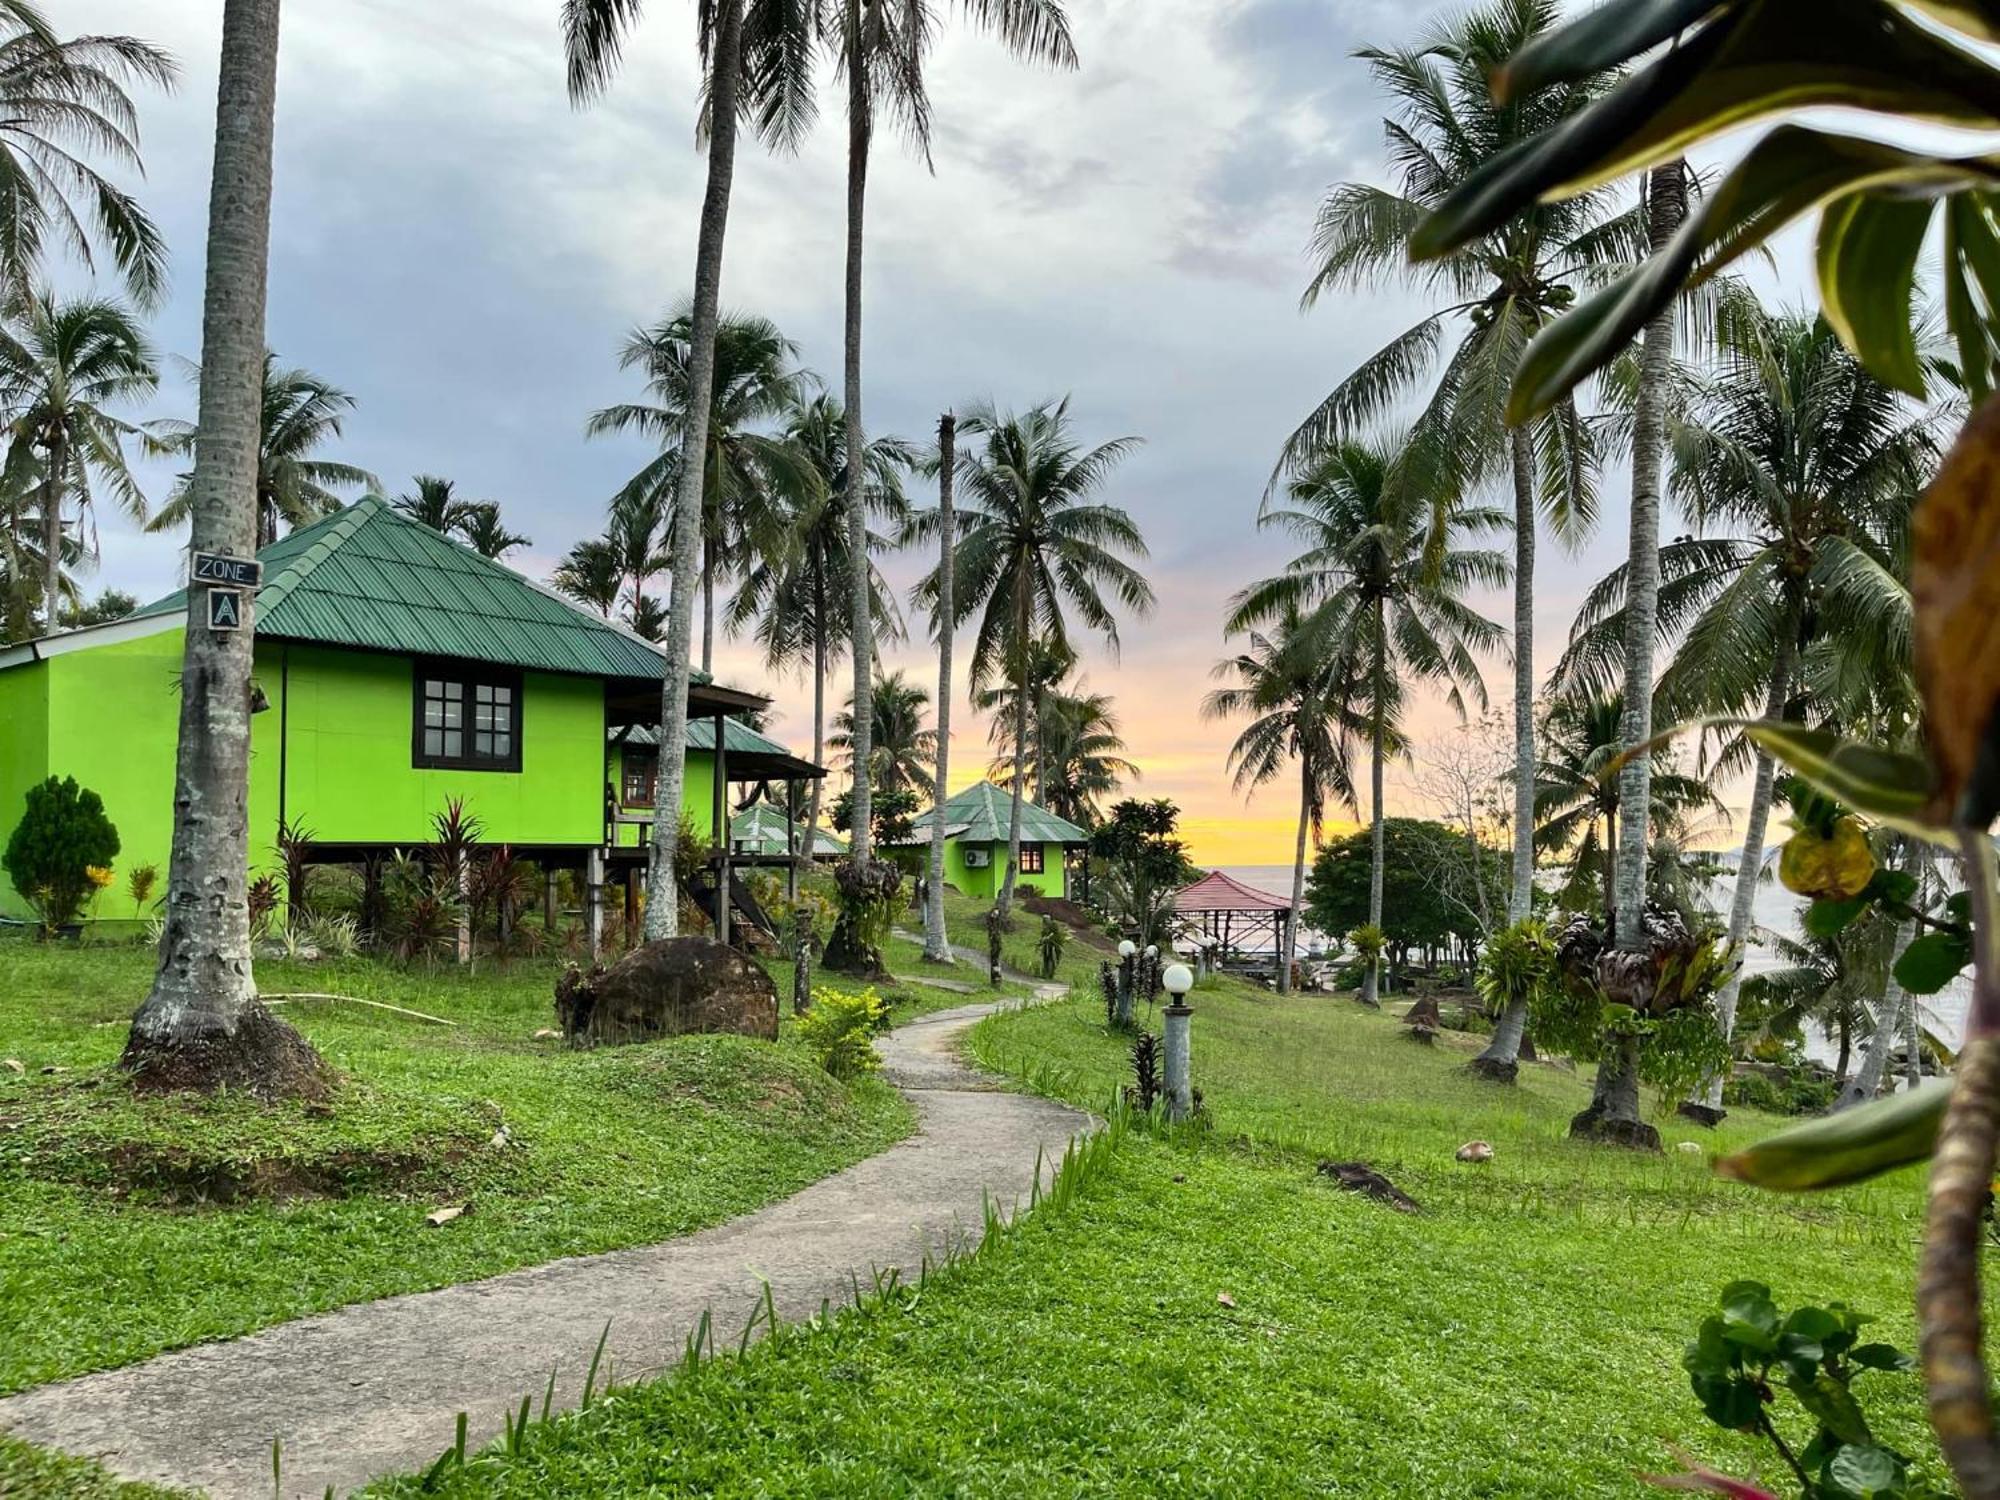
(234, 572)
(225, 609)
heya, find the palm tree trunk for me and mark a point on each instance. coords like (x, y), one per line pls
(819, 701)
(1611, 869)
(1371, 978)
(57, 458)
(708, 610)
(859, 126)
(725, 68)
(1288, 940)
(202, 1025)
(937, 942)
(1666, 201)
(1752, 862)
(1913, 1066)
(1844, 1055)
(1888, 1016)
(1521, 897)
(1006, 901)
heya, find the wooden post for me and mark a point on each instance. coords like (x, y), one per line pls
(549, 901)
(593, 901)
(464, 944)
(722, 827)
(791, 846)
(631, 904)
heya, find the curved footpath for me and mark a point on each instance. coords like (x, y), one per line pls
(376, 1388)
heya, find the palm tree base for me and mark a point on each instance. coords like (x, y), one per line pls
(263, 1056)
(1494, 1069)
(1708, 1115)
(1599, 1125)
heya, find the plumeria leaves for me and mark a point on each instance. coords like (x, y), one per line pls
(1851, 1146)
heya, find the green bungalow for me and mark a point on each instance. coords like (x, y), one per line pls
(394, 669)
(975, 842)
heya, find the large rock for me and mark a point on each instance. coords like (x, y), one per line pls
(669, 988)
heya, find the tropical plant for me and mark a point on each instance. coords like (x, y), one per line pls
(1826, 979)
(485, 533)
(1048, 665)
(839, 1029)
(1034, 546)
(1430, 881)
(1145, 862)
(1378, 590)
(1049, 946)
(64, 367)
(62, 837)
(590, 574)
(433, 503)
(904, 752)
(140, 883)
(1498, 289)
(795, 601)
(1518, 964)
(62, 100)
(202, 1026)
(1300, 710)
(881, 48)
(298, 413)
(755, 380)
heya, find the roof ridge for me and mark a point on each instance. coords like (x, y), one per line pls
(341, 526)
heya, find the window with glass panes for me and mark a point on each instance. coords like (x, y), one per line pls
(642, 770)
(467, 718)
(1031, 859)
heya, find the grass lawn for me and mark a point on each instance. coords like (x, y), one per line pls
(1521, 1337)
(132, 1226)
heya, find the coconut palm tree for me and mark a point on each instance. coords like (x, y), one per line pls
(1579, 812)
(756, 380)
(1034, 546)
(1379, 589)
(937, 938)
(298, 414)
(589, 573)
(64, 366)
(902, 751)
(202, 1026)
(485, 533)
(1082, 760)
(881, 46)
(1798, 470)
(1048, 664)
(61, 102)
(795, 598)
(433, 503)
(759, 72)
(1497, 292)
(1300, 710)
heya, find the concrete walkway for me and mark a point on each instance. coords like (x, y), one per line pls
(376, 1388)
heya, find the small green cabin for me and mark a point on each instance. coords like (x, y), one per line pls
(975, 847)
(394, 669)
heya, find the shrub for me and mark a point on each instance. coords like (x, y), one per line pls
(1054, 938)
(62, 838)
(840, 1030)
(334, 934)
(140, 882)
(1791, 1093)
(1517, 967)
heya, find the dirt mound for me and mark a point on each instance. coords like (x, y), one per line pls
(1078, 919)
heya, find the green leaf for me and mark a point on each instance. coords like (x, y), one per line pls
(1891, 885)
(1834, 1405)
(1750, 1317)
(1784, 176)
(1848, 1147)
(1886, 785)
(1860, 1471)
(1825, 919)
(1867, 263)
(1882, 1357)
(1932, 961)
(1603, 39)
(1710, 1354)
(1733, 1402)
(1814, 1323)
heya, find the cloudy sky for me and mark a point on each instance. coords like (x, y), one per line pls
(462, 250)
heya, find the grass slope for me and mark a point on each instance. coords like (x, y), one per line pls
(1519, 1338)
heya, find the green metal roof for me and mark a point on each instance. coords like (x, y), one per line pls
(980, 813)
(740, 737)
(763, 829)
(368, 577)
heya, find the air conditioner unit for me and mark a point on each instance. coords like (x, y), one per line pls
(978, 859)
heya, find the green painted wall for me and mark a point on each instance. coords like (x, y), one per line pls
(984, 883)
(697, 791)
(24, 744)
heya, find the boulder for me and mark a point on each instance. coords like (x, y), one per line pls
(1701, 1114)
(668, 988)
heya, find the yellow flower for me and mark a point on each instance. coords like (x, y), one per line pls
(100, 875)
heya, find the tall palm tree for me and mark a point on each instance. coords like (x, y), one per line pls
(633, 527)
(1497, 292)
(61, 101)
(1082, 760)
(1048, 664)
(1578, 811)
(202, 1026)
(1379, 591)
(902, 751)
(433, 503)
(755, 380)
(298, 414)
(882, 46)
(589, 573)
(485, 533)
(1035, 546)
(1299, 711)
(757, 72)
(63, 367)
(1800, 469)
(795, 598)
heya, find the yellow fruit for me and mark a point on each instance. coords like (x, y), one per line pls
(1836, 867)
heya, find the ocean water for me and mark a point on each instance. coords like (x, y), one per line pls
(1774, 910)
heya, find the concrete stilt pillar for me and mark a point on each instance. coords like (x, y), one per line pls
(1180, 1083)
(593, 901)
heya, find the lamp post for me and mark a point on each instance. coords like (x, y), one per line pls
(1178, 979)
(1126, 948)
(1150, 972)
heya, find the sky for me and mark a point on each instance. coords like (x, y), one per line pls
(463, 251)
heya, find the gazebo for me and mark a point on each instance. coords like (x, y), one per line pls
(1234, 917)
